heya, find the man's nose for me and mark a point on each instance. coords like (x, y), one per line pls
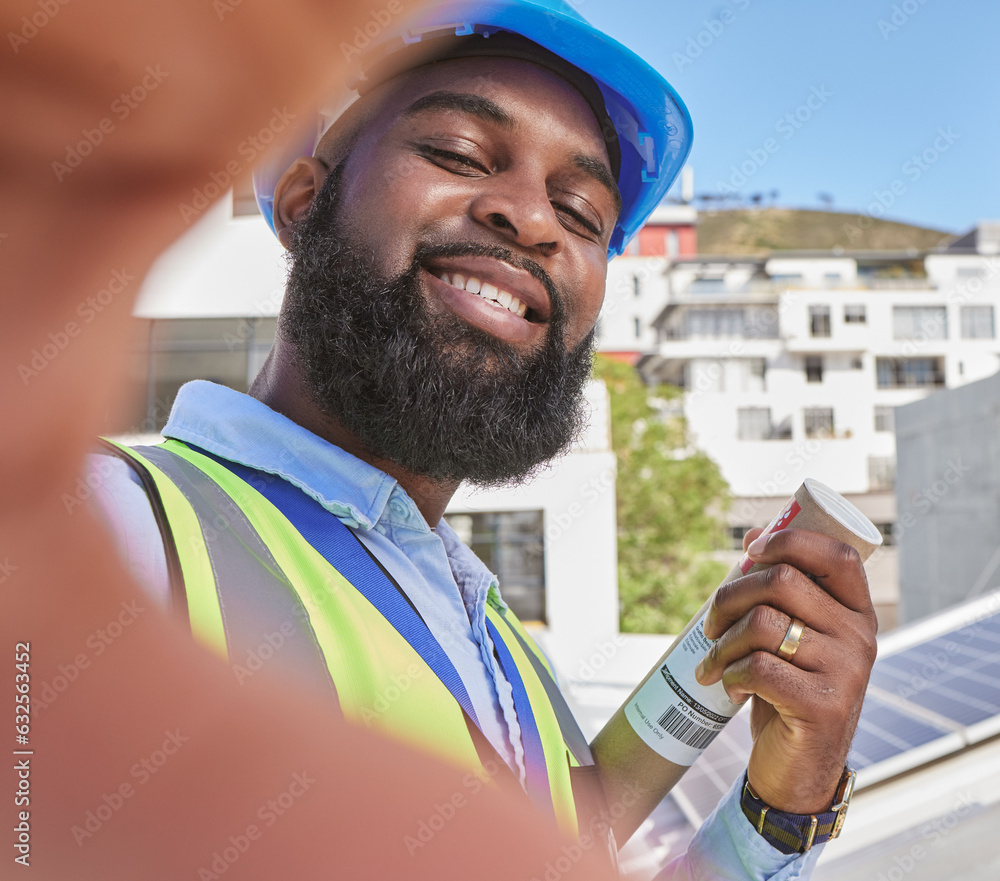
(517, 206)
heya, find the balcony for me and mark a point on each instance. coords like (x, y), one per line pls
(906, 373)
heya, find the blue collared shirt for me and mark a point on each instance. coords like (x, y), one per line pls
(446, 582)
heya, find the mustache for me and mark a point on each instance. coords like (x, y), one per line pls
(426, 252)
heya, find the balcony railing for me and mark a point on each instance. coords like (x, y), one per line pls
(751, 332)
(763, 286)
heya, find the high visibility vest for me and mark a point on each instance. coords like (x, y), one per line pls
(259, 595)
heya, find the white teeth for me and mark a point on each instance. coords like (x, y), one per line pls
(491, 293)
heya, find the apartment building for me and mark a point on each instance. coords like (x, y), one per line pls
(793, 365)
(637, 283)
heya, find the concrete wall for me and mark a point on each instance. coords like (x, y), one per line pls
(577, 498)
(948, 495)
(636, 291)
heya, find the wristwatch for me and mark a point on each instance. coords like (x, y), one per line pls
(796, 833)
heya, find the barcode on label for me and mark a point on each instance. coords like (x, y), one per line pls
(686, 730)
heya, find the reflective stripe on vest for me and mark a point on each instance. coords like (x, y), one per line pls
(261, 596)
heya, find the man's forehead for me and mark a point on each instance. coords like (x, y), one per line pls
(496, 77)
(507, 83)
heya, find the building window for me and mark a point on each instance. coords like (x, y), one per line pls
(855, 314)
(638, 327)
(736, 536)
(819, 321)
(715, 324)
(881, 472)
(708, 284)
(919, 322)
(909, 372)
(750, 375)
(753, 423)
(510, 544)
(636, 286)
(818, 421)
(857, 363)
(814, 368)
(229, 351)
(885, 418)
(888, 532)
(977, 323)
(832, 278)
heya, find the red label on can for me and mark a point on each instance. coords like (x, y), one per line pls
(780, 522)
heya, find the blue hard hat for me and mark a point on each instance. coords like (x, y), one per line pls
(651, 121)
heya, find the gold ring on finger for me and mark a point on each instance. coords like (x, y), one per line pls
(790, 644)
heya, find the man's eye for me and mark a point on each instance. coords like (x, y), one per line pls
(577, 219)
(450, 159)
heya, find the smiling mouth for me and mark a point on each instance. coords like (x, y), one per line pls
(485, 291)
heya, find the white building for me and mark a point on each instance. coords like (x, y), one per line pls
(637, 284)
(793, 366)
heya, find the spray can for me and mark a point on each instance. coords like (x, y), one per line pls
(670, 718)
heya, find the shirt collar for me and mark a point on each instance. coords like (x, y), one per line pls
(241, 429)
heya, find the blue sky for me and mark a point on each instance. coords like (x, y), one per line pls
(924, 83)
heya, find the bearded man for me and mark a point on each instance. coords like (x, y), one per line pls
(449, 238)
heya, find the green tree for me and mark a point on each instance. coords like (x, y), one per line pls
(670, 502)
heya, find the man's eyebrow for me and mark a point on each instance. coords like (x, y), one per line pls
(596, 169)
(476, 105)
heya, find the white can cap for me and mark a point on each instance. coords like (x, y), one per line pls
(834, 504)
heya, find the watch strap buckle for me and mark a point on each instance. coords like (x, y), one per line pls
(797, 833)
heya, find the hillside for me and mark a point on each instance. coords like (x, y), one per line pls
(758, 231)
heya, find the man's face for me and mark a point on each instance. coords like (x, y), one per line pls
(446, 282)
(495, 152)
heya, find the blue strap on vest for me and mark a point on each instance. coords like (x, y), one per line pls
(342, 550)
(531, 739)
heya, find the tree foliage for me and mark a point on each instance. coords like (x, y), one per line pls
(670, 500)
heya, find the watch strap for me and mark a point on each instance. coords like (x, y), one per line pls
(796, 833)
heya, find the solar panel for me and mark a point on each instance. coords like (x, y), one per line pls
(711, 776)
(955, 675)
(885, 731)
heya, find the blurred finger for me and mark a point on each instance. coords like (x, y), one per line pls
(750, 536)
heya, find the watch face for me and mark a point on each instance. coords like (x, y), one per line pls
(845, 790)
(843, 800)
(838, 824)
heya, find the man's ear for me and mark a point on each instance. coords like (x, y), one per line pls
(294, 194)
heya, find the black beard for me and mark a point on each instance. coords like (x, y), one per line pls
(437, 397)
